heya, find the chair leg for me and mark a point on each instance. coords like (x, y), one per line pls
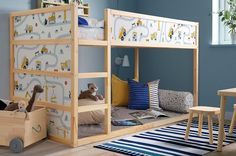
(232, 123)
(200, 120)
(224, 129)
(190, 118)
(210, 129)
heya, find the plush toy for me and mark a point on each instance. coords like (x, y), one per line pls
(22, 106)
(36, 92)
(12, 106)
(91, 93)
(31, 103)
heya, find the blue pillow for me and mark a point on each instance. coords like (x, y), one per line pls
(138, 95)
(82, 21)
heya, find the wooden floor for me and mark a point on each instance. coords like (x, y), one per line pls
(49, 148)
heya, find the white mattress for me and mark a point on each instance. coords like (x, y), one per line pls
(91, 33)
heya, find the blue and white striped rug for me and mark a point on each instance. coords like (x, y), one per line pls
(168, 141)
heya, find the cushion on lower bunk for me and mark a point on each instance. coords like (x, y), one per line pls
(154, 100)
(91, 117)
(138, 95)
(143, 96)
(176, 101)
(120, 92)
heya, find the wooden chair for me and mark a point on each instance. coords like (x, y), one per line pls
(233, 121)
(201, 110)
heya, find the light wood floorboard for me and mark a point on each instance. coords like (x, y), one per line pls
(50, 148)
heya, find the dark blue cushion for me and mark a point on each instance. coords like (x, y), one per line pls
(138, 95)
(82, 21)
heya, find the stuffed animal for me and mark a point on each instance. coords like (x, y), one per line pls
(91, 93)
(36, 92)
(31, 103)
(22, 106)
(12, 106)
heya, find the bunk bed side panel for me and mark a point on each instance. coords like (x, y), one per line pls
(50, 25)
(42, 55)
(143, 30)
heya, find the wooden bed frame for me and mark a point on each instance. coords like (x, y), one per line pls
(73, 76)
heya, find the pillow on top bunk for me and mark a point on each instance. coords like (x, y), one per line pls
(90, 22)
(143, 96)
(120, 92)
(82, 21)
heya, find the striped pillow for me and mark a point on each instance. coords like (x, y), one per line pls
(138, 95)
(154, 100)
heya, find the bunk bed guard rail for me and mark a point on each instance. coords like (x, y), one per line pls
(151, 31)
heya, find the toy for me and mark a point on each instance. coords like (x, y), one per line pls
(15, 105)
(22, 106)
(18, 131)
(91, 93)
(36, 92)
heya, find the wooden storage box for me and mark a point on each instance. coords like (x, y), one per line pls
(19, 130)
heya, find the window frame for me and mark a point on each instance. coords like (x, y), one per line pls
(220, 33)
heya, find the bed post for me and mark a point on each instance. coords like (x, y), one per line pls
(107, 67)
(195, 68)
(136, 64)
(12, 60)
(74, 80)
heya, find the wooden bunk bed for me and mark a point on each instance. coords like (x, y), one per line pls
(50, 35)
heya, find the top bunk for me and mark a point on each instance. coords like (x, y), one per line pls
(59, 25)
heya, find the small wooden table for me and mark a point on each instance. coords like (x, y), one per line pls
(223, 94)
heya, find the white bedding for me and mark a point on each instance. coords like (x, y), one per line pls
(91, 33)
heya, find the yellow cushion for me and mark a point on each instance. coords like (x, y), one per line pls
(120, 92)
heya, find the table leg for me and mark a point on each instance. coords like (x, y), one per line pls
(221, 124)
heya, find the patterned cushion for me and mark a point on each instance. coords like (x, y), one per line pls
(154, 95)
(138, 95)
(175, 100)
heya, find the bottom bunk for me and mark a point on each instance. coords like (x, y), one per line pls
(174, 104)
(122, 114)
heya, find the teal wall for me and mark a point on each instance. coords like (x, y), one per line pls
(217, 64)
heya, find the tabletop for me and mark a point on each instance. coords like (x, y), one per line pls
(227, 92)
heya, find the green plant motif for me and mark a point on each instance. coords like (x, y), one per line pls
(228, 16)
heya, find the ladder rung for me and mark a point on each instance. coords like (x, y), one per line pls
(92, 107)
(92, 75)
(99, 43)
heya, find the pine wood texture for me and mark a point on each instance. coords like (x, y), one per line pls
(221, 123)
(201, 111)
(30, 128)
(233, 121)
(200, 121)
